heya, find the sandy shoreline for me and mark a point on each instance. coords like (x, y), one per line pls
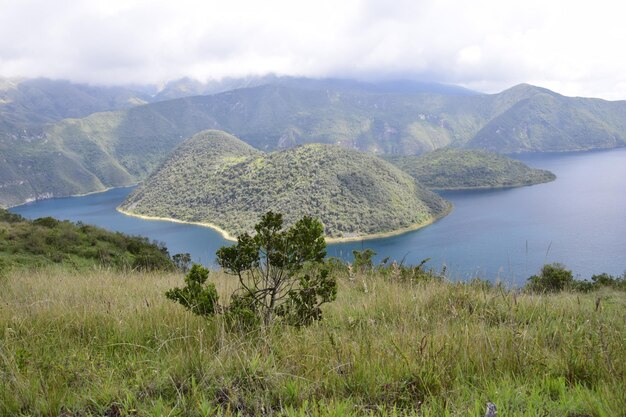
(221, 231)
(228, 236)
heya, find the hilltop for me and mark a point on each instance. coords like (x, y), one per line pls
(465, 169)
(215, 178)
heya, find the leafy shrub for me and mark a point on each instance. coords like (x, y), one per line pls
(281, 272)
(49, 222)
(200, 298)
(182, 261)
(583, 286)
(363, 260)
(606, 280)
(553, 278)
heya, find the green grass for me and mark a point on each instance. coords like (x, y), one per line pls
(110, 343)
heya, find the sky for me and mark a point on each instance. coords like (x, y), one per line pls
(574, 47)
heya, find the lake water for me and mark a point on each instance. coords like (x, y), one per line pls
(578, 220)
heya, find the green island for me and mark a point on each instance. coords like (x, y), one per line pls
(217, 180)
(450, 169)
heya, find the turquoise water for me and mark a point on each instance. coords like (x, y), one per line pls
(579, 220)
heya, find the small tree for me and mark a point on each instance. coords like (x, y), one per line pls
(553, 278)
(200, 298)
(363, 260)
(281, 272)
(182, 261)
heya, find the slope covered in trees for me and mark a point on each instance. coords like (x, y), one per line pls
(463, 169)
(217, 179)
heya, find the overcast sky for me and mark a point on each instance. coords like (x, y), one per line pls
(573, 47)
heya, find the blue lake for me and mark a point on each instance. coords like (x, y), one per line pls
(578, 220)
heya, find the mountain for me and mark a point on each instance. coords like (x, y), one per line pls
(446, 169)
(122, 147)
(27, 104)
(186, 87)
(539, 120)
(215, 178)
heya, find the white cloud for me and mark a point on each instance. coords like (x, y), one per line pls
(573, 47)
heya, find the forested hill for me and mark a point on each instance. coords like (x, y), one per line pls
(217, 179)
(465, 169)
(122, 147)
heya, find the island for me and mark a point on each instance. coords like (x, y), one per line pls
(217, 180)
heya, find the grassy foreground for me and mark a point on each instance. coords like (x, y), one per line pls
(110, 343)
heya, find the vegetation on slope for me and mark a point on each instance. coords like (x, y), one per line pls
(27, 104)
(216, 178)
(464, 169)
(541, 120)
(123, 147)
(394, 343)
(46, 241)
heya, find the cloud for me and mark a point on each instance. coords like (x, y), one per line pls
(570, 46)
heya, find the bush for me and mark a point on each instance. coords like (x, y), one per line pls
(553, 278)
(281, 272)
(200, 298)
(606, 280)
(182, 261)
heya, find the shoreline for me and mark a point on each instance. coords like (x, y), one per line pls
(73, 195)
(218, 229)
(328, 240)
(487, 187)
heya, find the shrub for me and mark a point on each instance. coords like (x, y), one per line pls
(281, 272)
(196, 296)
(553, 278)
(182, 261)
(363, 260)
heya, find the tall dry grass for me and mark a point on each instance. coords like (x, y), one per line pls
(109, 343)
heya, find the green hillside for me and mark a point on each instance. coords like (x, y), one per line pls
(46, 241)
(27, 104)
(216, 178)
(543, 121)
(464, 169)
(122, 147)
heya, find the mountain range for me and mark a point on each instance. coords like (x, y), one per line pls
(43, 153)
